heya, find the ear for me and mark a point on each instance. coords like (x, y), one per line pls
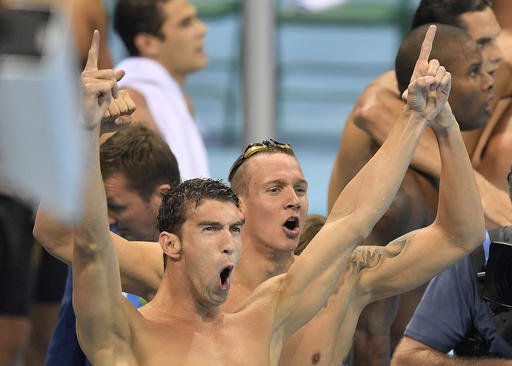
(171, 245)
(163, 189)
(243, 207)
(147, 44)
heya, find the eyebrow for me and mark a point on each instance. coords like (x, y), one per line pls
(210, 223)
(282, 182)
(218, 224)
(238, 223)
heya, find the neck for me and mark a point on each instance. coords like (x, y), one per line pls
(259, 263)
(176, 300)
(178, 77)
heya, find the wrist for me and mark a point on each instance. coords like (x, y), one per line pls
(416, 117)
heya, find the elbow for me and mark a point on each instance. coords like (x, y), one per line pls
(473, 236)
(362, 116)
(44, 237)
(85, 244)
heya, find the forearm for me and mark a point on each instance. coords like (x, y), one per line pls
(429, 356)
(369, 194)
(92, 232)
(459, 210)
(378, 118)
(97, 295)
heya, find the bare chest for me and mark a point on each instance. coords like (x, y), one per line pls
(181, 345)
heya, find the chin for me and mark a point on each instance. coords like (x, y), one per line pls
(289, 245)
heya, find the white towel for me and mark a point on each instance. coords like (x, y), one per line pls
(169, 110)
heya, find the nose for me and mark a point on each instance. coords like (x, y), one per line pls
(293, 200)
(203, 28)
(229, 245)
(493, 53)
(487, 82)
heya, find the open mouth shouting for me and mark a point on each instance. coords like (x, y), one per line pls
(225, 277)
(291, 227)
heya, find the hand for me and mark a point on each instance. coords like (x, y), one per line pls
(430, 82)
(444, 119)
(99, 86)
(119, 112)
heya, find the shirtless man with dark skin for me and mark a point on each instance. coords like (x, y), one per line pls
(367, 126)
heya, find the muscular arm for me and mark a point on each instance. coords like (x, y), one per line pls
(103, 321)
(361, 204)
(140, 263)
(412, 352)
(457, 230)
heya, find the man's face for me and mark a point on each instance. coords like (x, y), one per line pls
(472, 88)
(182, 49)
(275, 203)
(483, 28)
(211, 246)
(134, 218)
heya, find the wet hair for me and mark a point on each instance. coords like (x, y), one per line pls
(312, 226)
(191, 193)
(132, 17)
(445, 48)
(238, 176)
(446, 11)
(142, 157)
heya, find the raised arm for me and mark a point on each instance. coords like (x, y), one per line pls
(364, 200)
(140, 263)
(457, 230)
(377, 111)
(103, 318)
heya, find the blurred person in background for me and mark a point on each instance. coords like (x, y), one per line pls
(32, 281)
(165, 41)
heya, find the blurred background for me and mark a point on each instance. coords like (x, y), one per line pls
(323, 61)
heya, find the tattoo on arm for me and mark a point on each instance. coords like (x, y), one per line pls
(364, 257)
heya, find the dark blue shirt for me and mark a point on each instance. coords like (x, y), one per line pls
(450, 308)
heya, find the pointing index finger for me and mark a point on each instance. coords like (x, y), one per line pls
(92, 57)
(426, 48)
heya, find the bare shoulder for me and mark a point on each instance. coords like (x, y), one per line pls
(264, 297)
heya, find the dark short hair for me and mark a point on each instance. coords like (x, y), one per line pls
(446, 43)
(191, 193)
(238, 177)
(446, 11)
(132, 17)
(142, 157)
